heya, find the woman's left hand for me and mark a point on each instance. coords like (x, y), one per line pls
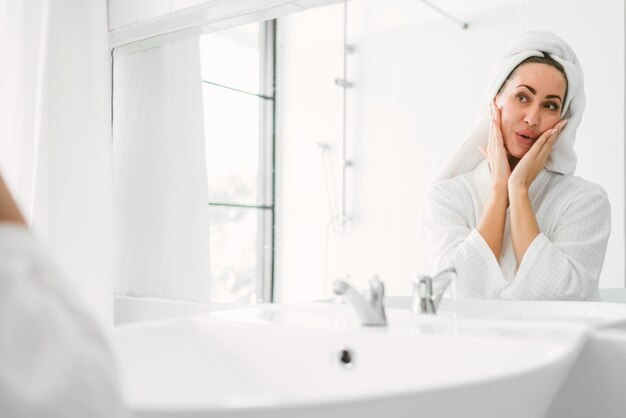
(534, 161)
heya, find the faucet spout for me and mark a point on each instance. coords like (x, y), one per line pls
(368, 306)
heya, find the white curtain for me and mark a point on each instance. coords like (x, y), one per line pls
(160, 178)
(55, 136)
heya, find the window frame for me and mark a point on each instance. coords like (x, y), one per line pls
(267, 161)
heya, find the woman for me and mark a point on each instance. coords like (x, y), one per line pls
(56, 360)
(507, 212)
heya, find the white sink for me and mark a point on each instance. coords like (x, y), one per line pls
(280, 361)
(599, 313)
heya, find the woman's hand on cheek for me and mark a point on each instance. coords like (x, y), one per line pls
(495, 152)
(535, 159)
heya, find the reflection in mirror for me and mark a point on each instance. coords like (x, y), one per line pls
(418, 84)
(240, 192)
(238, 104)
(193, 124)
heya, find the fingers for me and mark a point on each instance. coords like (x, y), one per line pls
(543, 139)
(551, 134)
(558, 129)
(496, 113)
(544, 144)
(496, 125)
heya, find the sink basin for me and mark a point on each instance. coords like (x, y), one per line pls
(599, 313)
(314, 360)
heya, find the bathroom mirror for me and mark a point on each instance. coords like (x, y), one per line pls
(418, 80)
(329, 169)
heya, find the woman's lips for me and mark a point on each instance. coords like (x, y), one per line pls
(525, 138)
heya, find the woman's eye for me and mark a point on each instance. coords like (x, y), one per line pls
(552, 106)
(521, 97)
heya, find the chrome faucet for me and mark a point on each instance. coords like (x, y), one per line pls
(425, 299)
(369, 305)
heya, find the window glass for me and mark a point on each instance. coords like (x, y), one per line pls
(232, 58)
(232, 130)
(235, 264)
(238, 128)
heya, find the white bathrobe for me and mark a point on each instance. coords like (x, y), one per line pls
(563, 262)
(55, 361)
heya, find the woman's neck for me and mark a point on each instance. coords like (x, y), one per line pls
(512, 161)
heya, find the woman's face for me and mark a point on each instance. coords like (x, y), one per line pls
(530, 103)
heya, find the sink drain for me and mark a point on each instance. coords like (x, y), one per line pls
(346, 358)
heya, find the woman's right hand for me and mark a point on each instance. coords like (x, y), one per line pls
(495, 152)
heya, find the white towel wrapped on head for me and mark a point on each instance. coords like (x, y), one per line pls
(562, 158)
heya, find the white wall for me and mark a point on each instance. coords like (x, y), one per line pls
(135, 20)
(418, 80)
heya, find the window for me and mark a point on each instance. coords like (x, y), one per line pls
(238, 96)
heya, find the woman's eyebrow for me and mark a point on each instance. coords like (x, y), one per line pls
(533, 91)
(554, 96)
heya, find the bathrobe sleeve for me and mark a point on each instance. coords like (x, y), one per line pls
(453, 243)
(567, 265)
(56, 361)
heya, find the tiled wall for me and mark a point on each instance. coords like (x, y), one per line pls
(418, 80)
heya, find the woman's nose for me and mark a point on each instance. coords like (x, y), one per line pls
(531, 118)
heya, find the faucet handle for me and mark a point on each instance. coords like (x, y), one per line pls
(340, 286)
(423, 294)
(428, 291)
(441, 281)
(375, 291)
(369, 305)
